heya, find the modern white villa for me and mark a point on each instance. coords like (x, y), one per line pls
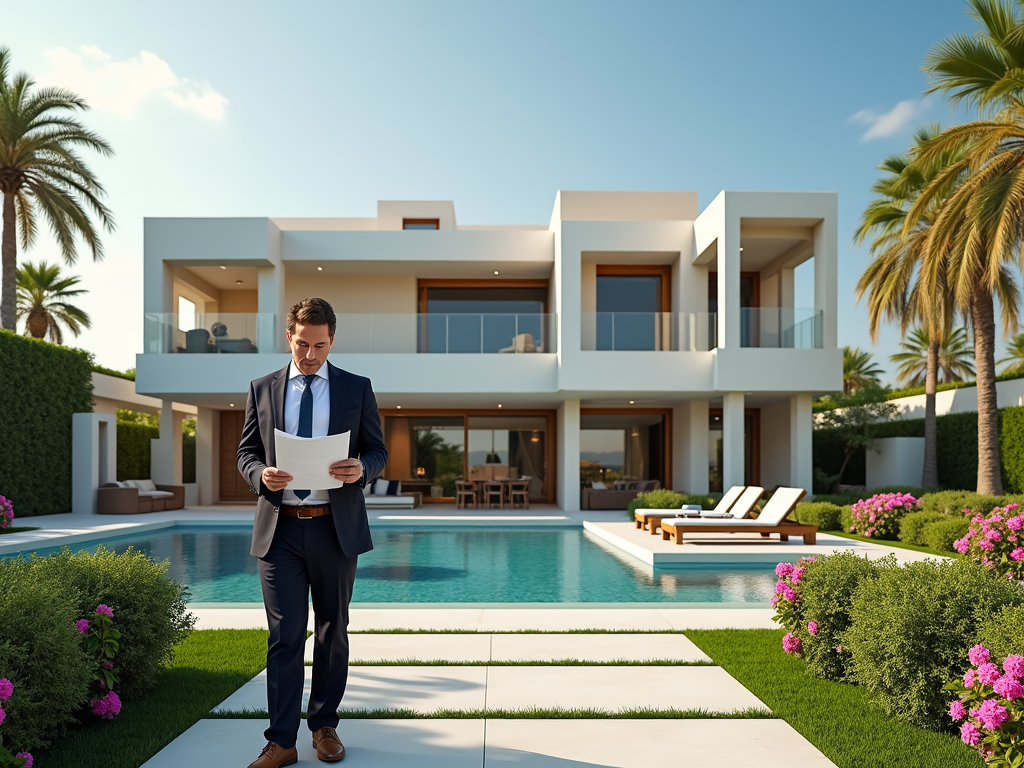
(627, 341)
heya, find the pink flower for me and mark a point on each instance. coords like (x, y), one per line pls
(988, 673)
(105, 609)
(970, 678)
(783, 569)
(780, 587)
(993, 535)
(992, 714)
(1014, 666)
(107, 707)
(986, 544)
(798, 573)
(27, 757)
(1015, 523)
(3, 715)
(6, 689)
(107, 664)
(1008, 687)
(82, 625)
(970, 734)
(978, 655)
(789, 594)
(812, 627)
(791, 643)
(962, 545)
(1017, 554)
(956, 710)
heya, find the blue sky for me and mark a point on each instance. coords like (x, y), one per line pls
(322, 108)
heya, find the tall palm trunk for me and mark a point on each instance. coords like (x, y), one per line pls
(930, 475)
(8, 266)
(990, 479)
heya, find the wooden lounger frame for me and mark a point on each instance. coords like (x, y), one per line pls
(654, 518)
(785, 529)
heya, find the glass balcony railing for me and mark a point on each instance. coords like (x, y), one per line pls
(781, 327)
(648, 331)
(446, 333)
(216, 333)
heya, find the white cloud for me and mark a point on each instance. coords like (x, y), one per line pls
(897, 119)
(121, 87)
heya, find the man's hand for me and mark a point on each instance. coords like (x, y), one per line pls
(275, 479)
(348, 471)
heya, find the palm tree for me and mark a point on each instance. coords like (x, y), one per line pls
(42, 301)
(859, 370)
(974, 241)
(1016, 356)
(891, 280)
(953, 358)
(41, 174)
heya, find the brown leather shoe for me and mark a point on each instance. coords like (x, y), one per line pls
(274, 756)
(329, 748)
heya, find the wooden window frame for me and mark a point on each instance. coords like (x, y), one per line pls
(664, 412)
(423, 284)
(550, 444)
(756, 293)
(755, 440)
(435, 222)
(664, 271)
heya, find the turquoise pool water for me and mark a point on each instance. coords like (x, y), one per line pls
(458, 565)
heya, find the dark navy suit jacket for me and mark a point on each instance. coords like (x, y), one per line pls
(353, 407)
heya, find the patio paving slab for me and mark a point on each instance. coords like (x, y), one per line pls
(597, 647)
(420, 647)
(423, 689)
(377, 743)
(616, 688)
(648, 744)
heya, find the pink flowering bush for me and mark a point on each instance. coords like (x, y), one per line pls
(101, 644)
(879, 516)
(7, 760)
(6, 512)
(997, 541)
(787, 602)
(990, 707)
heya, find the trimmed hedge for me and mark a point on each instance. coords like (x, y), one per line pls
(912, 526)
(188, 458)
(940, 535)
(828, 517)
(133, 450)
(663, 498)
(41, 385)
(956, 443)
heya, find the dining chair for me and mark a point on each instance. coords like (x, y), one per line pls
(492, 491)
(465, 494)
(519, 493)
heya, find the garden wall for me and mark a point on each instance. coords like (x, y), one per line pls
(41, 385)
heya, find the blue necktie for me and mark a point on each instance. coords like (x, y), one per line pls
(306, 418)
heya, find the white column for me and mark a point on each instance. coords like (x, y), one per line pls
(690, 446)
(568, 493)
(801, 459)
(826, 286)
(729, 282)
(208, 455)
(270, 303)
(93, 458)
(733, 454)
(165, 451)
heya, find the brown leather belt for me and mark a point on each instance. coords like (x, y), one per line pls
(306, 512)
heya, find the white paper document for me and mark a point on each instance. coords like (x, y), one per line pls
(308, 459)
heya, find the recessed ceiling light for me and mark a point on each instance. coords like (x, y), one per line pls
(222, 266)
(499, 405)
(399, 407)
(632, 401)
(495, 271)
(231, 405)
(319, 269)
(741, 249)
(238, 282)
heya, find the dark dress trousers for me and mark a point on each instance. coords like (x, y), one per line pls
(317, 556)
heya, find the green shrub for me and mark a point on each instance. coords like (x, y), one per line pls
(954, 502)
(149, 609)
(912, 525)
(133, 450)
(188, 459)
(658, 499)
(828, 517)
(42, 653)
(1011, 448)
(911, 628)
(41, 386)
(940, 535)
(1003, 632)
(846, 518)
(841, 499)
(827, 592)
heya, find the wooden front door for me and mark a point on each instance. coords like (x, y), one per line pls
(233, 486)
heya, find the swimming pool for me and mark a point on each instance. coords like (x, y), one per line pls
(458, 565)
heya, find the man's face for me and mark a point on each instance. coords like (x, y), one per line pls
(310, 345)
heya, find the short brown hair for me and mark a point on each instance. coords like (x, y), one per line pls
(312, 312)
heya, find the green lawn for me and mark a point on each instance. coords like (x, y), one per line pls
(18, 529)
(207, 668)
(886, 543)
(837, 718)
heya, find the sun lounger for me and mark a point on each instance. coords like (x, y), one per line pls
(771, 520)
(730, 499)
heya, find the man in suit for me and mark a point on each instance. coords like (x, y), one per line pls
(308, 541)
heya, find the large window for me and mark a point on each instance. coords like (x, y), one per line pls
(751, 448)
(485, 316)
(429, 453)
(630, 301)
(617, 447)
(421, 223)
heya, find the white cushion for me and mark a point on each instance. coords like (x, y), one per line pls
(157, 494)
(130, 484)
(598, 486)
(367, 489)
(380, 488)
(123, 484)
(143, 485)
(405, 502)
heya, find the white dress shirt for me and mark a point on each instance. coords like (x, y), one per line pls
(321, 420)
